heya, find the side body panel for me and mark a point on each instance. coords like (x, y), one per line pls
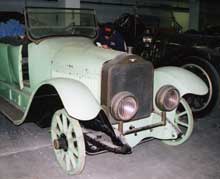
(5, 74)
(11, 80)
(10, 69)
(39, 62)
(15, 59)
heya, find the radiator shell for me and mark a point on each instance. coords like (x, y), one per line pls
(128, 73)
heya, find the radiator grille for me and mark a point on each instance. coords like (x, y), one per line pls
(129, 73)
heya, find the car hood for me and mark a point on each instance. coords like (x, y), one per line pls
(79, 53)
(78, 58)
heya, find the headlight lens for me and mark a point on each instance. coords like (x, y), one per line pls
(124, 106)
(167, 98)
(147, 39)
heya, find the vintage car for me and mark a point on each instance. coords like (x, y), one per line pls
(94, 99)
(194, 51)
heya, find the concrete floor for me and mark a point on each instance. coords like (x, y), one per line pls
(26, 153)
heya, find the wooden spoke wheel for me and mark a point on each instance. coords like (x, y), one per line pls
(68, 142)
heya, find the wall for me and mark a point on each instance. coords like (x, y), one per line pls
(183, 19)
(106, 13)
(109, 10)
(18, 5)
(209, 13)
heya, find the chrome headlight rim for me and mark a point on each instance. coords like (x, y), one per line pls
(167, 98)
(119, 101)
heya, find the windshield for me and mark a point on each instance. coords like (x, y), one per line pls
(47, 22)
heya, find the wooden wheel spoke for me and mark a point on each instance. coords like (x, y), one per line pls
(72, 159)
(70, 130)
(182, 123)
(64, 123)
(68, 162)
(73, 150)
(182, 114)
(60, 154)
(57, 132)
(72, 140)
(59, 122)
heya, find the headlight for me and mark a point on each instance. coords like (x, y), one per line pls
(147, 39)
(167, 98)
(124, 106)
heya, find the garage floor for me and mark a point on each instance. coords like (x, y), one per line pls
(26, 153)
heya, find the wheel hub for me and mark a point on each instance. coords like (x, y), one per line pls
(61, 143)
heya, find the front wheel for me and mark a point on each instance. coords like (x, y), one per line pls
(68, 142)
(183, 120)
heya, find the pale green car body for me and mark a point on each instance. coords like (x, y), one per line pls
(73, 66)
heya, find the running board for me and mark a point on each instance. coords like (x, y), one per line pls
(10, 111)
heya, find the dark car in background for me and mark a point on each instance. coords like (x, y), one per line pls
(196, 51)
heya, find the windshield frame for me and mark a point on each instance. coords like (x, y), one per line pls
(37, 40)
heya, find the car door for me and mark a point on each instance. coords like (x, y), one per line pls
(10, 68)
(15, 63)
(5, 71)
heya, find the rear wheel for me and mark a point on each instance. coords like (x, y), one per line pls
(68, 142)
(184, 122)
(202, 105)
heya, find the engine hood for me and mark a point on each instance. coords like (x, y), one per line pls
(79, 53)
(78, 58)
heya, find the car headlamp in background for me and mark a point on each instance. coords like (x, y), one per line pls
(147, 39)
(167, 98)
(124, 106)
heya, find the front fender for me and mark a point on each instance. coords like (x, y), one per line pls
(77, 99)
(184, 80)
